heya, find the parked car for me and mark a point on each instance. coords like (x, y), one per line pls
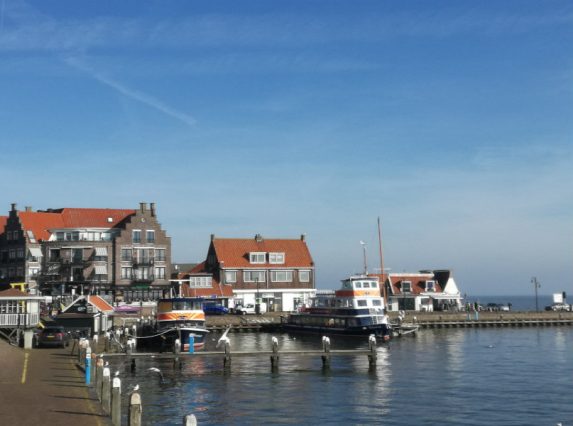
(53, 336)
(249, 308)
(558, 307)
(214, 309)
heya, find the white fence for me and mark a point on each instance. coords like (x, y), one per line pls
(19, 320)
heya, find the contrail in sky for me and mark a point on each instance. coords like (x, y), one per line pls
(133, 94)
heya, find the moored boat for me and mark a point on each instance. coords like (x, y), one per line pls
(178, 318)
(356, 309)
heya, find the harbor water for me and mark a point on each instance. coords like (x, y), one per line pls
(502, 376)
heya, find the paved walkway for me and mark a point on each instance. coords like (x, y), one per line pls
(43, 386)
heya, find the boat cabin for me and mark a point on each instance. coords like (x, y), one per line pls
(356, 292)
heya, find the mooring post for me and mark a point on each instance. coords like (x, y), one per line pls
(275, 355)
(106, 391)
(80, 350)
(93, 368)
(116, 402)
(190, 420)
(176, 351)
(227, 359)
(135, 409)
(326, 348)
(134, 335)
(88, 365)
(99, 376)
(373, 355)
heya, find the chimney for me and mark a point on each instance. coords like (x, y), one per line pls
(28, 208)
(13, 206)
(142, 207)
(152, 208)
(302, 237)
(259, 238)
(212, 237)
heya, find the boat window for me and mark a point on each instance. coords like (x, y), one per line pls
(374, 284)
(366, 284)
(376, 302)
(361, 302)
(358, 284)
(346, 284)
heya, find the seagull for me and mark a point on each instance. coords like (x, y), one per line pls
(116, 374)
(106, 364)
(134, 389)
(158, 371)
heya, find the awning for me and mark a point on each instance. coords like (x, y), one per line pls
(35, 251)
(101, 251)
(101, 269)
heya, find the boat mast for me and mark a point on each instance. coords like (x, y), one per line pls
(381, 263)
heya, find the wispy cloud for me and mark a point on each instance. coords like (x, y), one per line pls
(131, 93)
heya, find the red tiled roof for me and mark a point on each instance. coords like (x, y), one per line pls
(40, 222)
(99, 303)
(3, 220)
(234, 252)
(94, 218)
(418, 282)
(12, 292)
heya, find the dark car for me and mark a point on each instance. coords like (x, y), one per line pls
(214, 309)
(52, 336)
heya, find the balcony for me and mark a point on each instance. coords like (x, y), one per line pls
(143, 262)
(148, 279)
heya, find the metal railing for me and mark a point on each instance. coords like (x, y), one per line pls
(22, 320)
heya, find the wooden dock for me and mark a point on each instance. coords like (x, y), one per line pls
(492, 319)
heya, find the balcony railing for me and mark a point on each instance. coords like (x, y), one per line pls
(22, 320)
(143, 262)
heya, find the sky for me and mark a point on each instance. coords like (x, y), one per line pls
(451, 121)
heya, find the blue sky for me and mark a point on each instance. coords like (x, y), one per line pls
(449, 120)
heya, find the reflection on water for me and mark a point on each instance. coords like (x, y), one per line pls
(455, 376)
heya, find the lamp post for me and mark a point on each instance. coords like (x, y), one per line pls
(536, 285)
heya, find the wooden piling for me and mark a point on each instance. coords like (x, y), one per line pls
(106, 391)
(135, 410)
(275, 355)
(93, 369)
(326, 349)
(190, 420)
(99, 377)
(116, 402)
(227, 358)
(373, 355)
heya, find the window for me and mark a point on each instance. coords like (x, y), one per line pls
(126, 273)
(77, 255)
(406, 286)
(358, 284)
(20, 253)
(230, 276)
(20, 271)
(304, 276)
(430, 285)
(150, 236)
(8, 235)
(136, 236)
(126, 254)
(54, 255)
(376, 302)
(257, 257)
(12, 254)
(277, 258)
(281, 276)
(160, 273)
(254, 276)
(15, 235)
(160, 255)
(361, 302)
(31, 236)
(198, 282)
(366, 284)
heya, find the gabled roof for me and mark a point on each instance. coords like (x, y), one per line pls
(3, 220)
(217, 289)
(94, 218)
(100, 303)
(41, 222)
(418, 282)
(234, 252)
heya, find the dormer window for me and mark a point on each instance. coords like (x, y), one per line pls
(257, 257)
(430, 285)
(406, 286)
(277, 258)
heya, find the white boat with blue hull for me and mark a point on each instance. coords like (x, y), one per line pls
(356, 309)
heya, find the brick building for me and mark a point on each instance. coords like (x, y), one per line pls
(116, 252)
(278, 272)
